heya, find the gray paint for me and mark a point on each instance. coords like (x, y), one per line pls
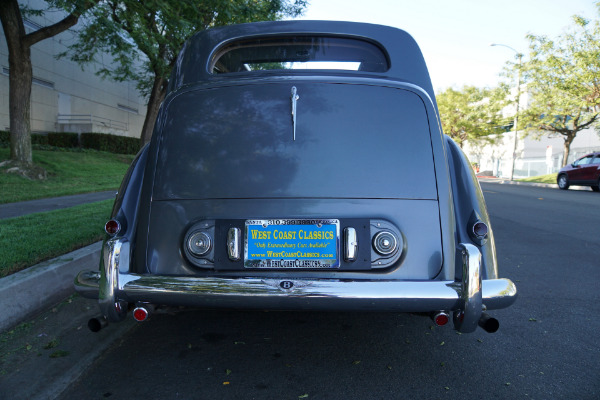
(352, 141)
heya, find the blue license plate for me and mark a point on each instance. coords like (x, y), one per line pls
(292, 243)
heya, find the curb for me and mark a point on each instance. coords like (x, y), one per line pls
(27, 292)
(531, 184)
(509, 182)
(18, 209)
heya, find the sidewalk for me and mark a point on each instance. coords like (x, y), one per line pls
(36, 288)
(12, 210)
(42, 323)
(501, 181)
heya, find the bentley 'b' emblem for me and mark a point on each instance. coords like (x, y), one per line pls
(286, 284)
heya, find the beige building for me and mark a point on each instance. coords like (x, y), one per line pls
(67, 98)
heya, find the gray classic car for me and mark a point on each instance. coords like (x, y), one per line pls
(300, 165)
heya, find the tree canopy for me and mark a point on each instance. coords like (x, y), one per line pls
(471, 113)
(144, 37)
(562, 78)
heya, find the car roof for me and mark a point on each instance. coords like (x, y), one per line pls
(405, 58)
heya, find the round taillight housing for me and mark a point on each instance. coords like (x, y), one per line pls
(112, 227)
(480, 230)
(385, 243)
(199, 244)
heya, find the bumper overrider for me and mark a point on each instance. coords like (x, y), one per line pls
(115, 288)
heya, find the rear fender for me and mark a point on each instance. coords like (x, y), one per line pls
(469, 207)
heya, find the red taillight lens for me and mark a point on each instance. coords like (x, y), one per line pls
(140, 314)
(441, 318)
(112, 227)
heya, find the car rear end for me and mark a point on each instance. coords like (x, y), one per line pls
(271, 187)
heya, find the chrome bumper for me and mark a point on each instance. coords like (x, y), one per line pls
(114, 287)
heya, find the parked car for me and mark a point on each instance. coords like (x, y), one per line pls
(585, 171)
(300, 165)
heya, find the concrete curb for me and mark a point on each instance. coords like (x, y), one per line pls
(27, 292)
(531, 184)
(13, 210)
(508, 182)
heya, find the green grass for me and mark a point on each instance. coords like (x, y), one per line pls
(28, 240)
(69, 172)
(550, 178)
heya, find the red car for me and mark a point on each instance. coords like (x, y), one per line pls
(585, 172)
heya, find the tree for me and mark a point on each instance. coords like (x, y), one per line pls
(20, 70)
(471, 113)
(144, 37)
(563, 82)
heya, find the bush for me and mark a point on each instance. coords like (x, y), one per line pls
(63, 139)
(70, 140)
(110, 143)
(35, 139)
(39, 139)
(4, 138)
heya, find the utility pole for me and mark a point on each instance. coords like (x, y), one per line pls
(516, 121)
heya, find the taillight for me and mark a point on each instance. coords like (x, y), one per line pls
(112, 227)
(480, 230)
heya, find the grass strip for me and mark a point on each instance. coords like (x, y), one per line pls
(69, 172)
(550, 178)
(28, 240)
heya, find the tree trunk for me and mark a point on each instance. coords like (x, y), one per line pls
(157, 95)
(567, 146)
(19, 96)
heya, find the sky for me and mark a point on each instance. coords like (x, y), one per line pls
(455, 35)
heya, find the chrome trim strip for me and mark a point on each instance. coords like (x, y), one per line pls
(322, 294)
(294, 99)
(87, 284)
(350, 244)
(233, 243)
(113, 309)
(466, 320)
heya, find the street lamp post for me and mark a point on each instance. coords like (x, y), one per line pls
(514, 154)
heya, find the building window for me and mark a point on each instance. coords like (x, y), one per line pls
(42, 82)
(31, 25)
(36, 80)
(128, 109)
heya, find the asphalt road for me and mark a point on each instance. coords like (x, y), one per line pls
(547, 346)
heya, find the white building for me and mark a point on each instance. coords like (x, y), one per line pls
(66, 98)
(533, 156)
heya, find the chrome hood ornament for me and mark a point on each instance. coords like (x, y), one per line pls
(294, 99)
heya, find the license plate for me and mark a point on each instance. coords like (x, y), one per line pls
(292, 243)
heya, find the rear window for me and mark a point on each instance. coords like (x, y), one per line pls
(299, 52)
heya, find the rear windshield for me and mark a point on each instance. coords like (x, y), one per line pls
(299, 52)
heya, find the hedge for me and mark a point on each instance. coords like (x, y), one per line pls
(63, 139)
(110, 143)
(35, 139)
(90, 140)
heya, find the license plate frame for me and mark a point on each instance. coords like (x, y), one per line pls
(289, 243)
